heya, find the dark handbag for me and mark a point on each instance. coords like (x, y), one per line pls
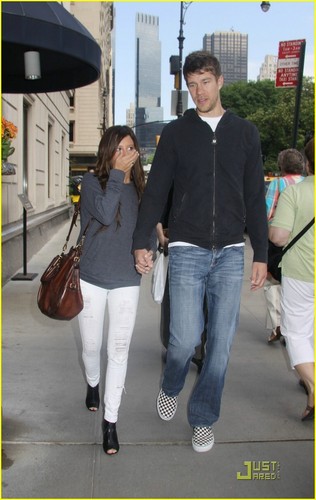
(275, 253)
(274, 258)
(59, 295)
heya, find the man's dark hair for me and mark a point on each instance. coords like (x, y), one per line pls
(199, 61)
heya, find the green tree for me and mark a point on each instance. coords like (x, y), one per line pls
(272, 111)
(244, 98)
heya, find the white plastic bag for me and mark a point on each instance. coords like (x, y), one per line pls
(159, 278)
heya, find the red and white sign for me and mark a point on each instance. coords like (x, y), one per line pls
(288, 63)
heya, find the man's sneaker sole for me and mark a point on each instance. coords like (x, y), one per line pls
(166, 405)
(203, 439)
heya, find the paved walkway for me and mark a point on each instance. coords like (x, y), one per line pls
(52, 444)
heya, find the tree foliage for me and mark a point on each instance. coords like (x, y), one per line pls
(272, 110)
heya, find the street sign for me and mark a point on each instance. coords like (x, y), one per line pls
(25, 201)
(288, 63)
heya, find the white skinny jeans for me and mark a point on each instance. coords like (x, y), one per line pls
(122, 307)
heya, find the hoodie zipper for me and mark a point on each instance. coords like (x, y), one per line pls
(214, 143)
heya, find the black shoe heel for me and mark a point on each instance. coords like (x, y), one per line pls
(93, 398)
(110, 441)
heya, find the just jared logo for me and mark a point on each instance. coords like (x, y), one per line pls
(260, 470)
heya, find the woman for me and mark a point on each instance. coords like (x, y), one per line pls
(109, 206)
(294, 211)
(291, 164)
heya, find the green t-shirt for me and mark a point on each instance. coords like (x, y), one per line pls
(294, 211)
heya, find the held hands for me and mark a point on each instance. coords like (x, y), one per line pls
(143, 261)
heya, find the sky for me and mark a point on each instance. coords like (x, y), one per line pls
(286, 20)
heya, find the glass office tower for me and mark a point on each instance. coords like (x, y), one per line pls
(148, 80)
(231, 49)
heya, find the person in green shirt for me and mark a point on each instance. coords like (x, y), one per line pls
(294, 211)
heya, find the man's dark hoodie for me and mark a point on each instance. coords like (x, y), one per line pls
(218, 185)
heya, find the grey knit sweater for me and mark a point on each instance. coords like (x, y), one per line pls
(106, 259)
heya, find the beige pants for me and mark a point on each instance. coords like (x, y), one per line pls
(272, 293)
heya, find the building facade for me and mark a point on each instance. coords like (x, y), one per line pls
(148, 80)
(268, 68)
(92, 106)
(130, 115)
(231, 49)
(43, 152)
(41, 157)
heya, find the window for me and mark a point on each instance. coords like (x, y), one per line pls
(50, 162)
(71, 131)
(72, 100)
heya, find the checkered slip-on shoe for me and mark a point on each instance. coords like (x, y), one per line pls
(203, 439)
(166, 405)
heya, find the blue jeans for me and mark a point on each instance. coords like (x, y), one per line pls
(194, 272)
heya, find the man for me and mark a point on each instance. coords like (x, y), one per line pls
(213, 159)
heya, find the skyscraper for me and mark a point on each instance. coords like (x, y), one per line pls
(148, 80)
(231, 49)
(268, 68)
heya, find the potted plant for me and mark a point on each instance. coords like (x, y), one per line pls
(9, 131)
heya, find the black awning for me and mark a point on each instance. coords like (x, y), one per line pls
(69, 55)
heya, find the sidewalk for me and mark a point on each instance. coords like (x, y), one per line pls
(52, 444)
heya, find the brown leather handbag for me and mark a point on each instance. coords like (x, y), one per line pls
(59, 295)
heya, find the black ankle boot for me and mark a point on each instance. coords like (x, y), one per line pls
(93, 398)
(110, 441)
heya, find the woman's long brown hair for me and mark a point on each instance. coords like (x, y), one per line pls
(107, 149)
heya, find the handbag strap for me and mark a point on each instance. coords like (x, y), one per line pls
(298, 236)
(74, 220)
(73, 223)
(79, 245)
